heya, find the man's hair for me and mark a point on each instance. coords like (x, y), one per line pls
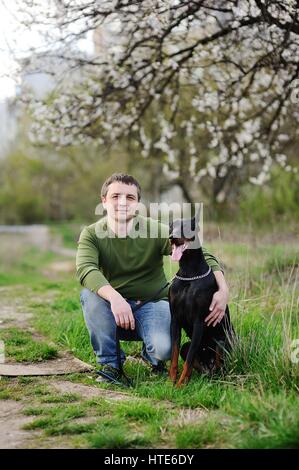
(121, 178)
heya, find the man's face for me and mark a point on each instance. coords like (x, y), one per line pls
(121, 201)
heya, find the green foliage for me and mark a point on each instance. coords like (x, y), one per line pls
(69, 232)
(43, 185)
(274, 202)
(39, 185)
(282, 263)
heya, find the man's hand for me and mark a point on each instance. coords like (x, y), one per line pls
(119, 306)
(122, 312)
(217, 307)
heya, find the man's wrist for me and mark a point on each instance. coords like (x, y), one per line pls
(223, 289)
(108, 293)
(221, 283)
(114, 295)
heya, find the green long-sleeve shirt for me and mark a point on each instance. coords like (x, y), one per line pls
(131, 265)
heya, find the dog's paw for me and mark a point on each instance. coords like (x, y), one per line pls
(182, 382)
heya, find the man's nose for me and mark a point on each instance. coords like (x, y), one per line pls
(122, 201)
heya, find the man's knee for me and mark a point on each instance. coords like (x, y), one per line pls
(162, 347)
(92, 303)
(86, 295)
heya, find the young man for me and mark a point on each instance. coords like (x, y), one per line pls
(118, 270)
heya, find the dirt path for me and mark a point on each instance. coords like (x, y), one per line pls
(12, 421)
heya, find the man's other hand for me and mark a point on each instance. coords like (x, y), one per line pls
(122, 312)
(217, 308)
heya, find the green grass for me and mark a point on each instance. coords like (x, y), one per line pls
(19, 389)
(116, 433)
(57, 416)
(20, 346)
(61, 398)
(111, 426)
(205, 434)
(141, 411)
(246, 421)
(68, 232)
(253, 404)
(22, 265)
(70, 429)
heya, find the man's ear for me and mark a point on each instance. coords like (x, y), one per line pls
(103, 199)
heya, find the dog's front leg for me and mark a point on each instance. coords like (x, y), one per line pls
(194, 346)
(175, 348)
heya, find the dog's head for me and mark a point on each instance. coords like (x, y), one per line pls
(183, 235)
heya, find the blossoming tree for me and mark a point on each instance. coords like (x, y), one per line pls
(214, 82)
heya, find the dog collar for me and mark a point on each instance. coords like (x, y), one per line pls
(193, 278)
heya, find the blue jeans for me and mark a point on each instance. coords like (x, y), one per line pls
(152, 326)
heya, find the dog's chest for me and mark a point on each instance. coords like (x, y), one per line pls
(189, 300)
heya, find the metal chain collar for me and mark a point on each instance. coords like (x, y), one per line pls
(193, 278)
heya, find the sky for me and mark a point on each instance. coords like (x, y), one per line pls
(7, 64)
(16, 41)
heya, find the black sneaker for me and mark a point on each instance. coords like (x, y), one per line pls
(159, 369)
(109, 374)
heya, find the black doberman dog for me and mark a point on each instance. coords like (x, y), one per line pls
(190, 296)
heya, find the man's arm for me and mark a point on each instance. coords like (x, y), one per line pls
(87, 262)
(120, 308)
(220, 298)
(219, 301)
(211, 260)
(91, 277)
